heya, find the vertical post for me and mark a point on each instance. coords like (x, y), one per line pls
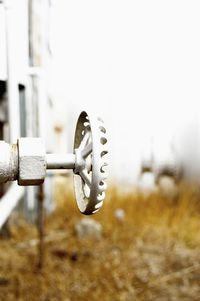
(38, 55)
(41, 217)
(13, 93)
(35, 63)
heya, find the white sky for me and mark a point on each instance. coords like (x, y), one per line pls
(137, 63)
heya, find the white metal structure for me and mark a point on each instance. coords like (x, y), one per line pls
(12, 74)
(25, 159)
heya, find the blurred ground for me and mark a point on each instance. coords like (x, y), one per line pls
(150, 252)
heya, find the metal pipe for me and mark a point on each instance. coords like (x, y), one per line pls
(14, 192)
(60, 161)
(8, 162)
(13, 92)
(9, 201)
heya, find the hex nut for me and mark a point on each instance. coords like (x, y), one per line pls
(32, 162)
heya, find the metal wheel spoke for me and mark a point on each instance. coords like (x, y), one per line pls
(84, 140)
(85, 178)
(87, 150)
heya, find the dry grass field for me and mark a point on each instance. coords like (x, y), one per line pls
(153, 253)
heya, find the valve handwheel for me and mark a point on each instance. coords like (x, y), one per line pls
(90, 148)
(27, 162)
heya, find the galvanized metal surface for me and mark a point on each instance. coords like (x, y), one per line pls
(60, 161)
(27, 162)
(32, 163)
(8, 162)
(90, 147)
